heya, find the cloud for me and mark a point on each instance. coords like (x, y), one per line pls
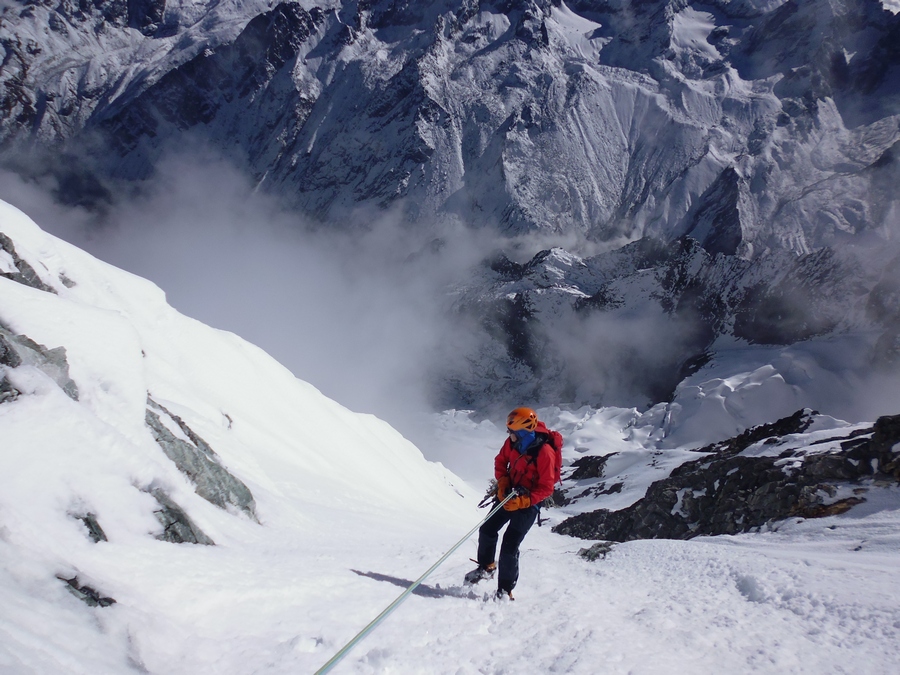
(356, 312)
(362, 313)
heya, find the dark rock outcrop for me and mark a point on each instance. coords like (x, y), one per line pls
(178, 528)
(146, 15)
(7, 391)
(588, 467)
(196, 459)
(24, 273)
(725, 492)
(19, 350)
(86, 594)
(599, 550)
(95, 532)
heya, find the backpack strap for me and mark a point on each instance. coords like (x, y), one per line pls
(540, 440)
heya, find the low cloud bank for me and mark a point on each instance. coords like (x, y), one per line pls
(356, 312)
(361, 313)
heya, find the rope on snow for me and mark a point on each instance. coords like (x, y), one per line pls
(333, 661)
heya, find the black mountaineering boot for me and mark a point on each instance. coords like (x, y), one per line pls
(481, 572)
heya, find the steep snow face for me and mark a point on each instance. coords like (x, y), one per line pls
(123, 343)
(609, 120)
(133, 435)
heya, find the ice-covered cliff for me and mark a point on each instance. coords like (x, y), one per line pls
(751, 124)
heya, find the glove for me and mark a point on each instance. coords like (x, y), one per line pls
(502, 487)
(516, 503)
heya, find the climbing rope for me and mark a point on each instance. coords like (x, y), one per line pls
(332, 662)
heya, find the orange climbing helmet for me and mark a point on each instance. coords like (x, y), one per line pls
(522, 418)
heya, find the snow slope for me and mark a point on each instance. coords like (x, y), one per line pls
(317, 471)
(346, 514)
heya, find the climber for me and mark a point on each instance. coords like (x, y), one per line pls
(528, 463)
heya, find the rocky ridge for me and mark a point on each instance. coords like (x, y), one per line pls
(768, 473)
(606, 119)
(629, 325)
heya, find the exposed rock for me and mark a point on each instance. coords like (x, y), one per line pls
(146, 15)
(589, 467)
(593, 491)
(810, 504)
(9, 356)
(725, 492)
(178, 528)
(87, 594)
(18, 350)
(716, 223)
(196, 459)
(7, 391)
(797, 423)
(556, 499)
(599, 550)
(23, 272)
(95, 532)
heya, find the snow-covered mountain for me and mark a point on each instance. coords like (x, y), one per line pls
(127, 429)
(174, 501)
(734, 161)
(629, 326)
(750, 124)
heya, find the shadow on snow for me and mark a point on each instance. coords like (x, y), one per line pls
(422, 590)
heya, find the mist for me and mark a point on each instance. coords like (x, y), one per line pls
(365, 313)
(358, 313)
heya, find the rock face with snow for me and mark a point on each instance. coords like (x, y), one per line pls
(749, 125)
(627, 326)
(16, 350)
(193, 457)
(768, 473)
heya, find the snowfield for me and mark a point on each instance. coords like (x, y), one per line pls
(347, 513)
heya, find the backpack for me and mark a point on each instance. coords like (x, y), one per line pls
(555, 440)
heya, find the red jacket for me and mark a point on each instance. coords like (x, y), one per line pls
(535, 475)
